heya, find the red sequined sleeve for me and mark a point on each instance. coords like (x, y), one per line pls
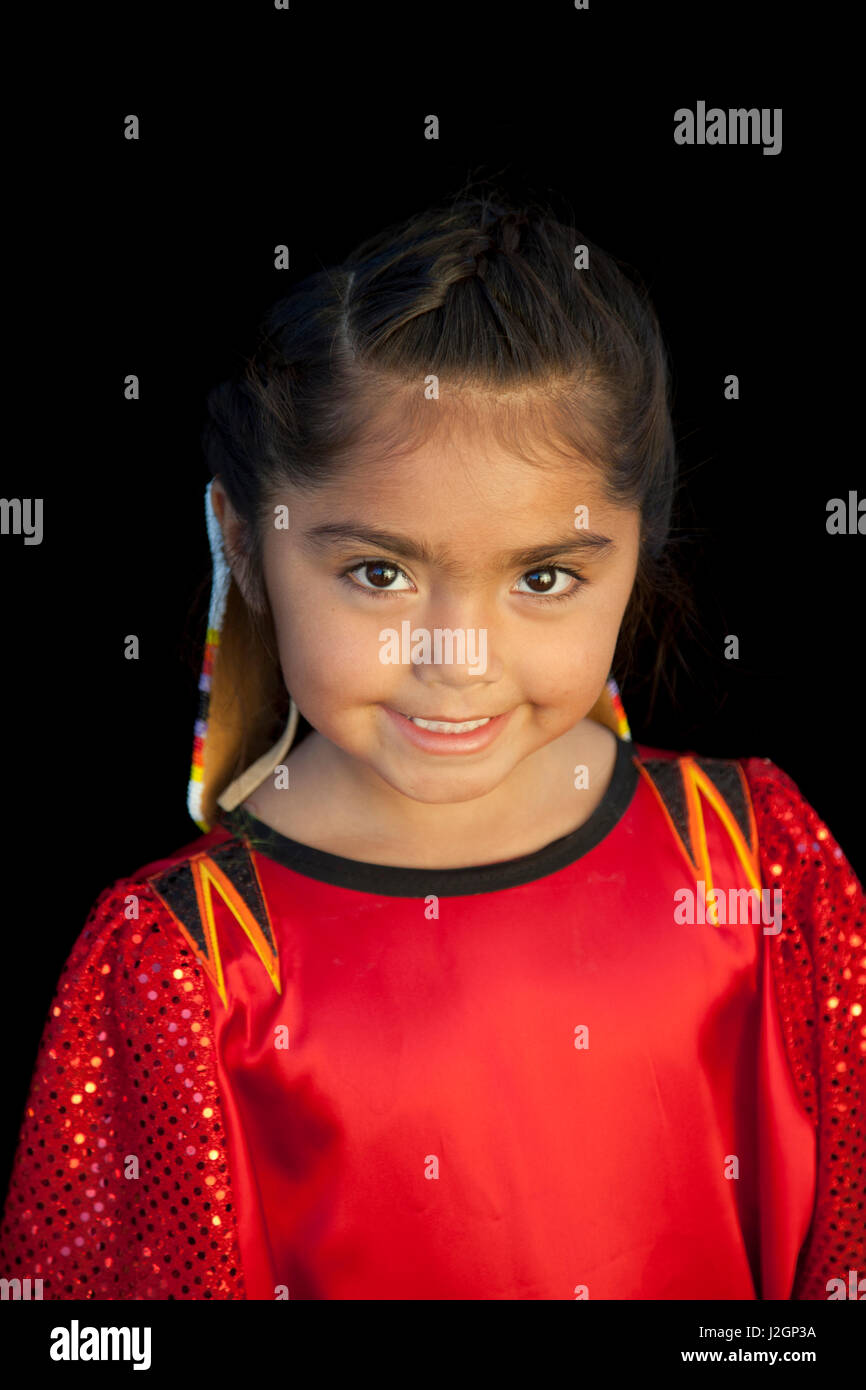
(819, 969)
(120, 1187)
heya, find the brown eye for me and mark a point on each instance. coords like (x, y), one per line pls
(546, 579)
(377, 574)
(381, 575)
(543, 580)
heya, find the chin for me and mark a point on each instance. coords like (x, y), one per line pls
(444, 791)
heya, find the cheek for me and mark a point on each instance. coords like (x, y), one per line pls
(568, 663)
(566, 675)
(331, 647)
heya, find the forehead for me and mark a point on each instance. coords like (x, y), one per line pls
(479, 468)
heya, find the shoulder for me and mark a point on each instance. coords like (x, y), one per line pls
(791, 831)
(165, 919)
(766, 777)
(129, 918)
(771, 789)
(777, 821)
(823, 904)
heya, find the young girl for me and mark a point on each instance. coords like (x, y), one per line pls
(461, 994)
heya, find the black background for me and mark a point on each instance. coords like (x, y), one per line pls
(156, 258)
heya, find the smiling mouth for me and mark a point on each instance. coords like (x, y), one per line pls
(446, 726)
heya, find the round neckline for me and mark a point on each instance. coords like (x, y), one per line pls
(391, 880)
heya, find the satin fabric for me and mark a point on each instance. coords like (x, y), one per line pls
(431, 1131)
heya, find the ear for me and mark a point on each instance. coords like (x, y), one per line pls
(236, 543)
(225, 514)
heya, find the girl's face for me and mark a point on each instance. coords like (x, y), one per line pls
(461, 537)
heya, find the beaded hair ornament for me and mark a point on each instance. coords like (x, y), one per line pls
(216, 733)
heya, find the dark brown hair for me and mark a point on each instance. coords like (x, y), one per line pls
(484, 294)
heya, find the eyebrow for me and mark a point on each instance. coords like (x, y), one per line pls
(576, 543)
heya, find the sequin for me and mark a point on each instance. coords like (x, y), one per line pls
(131, 1015)
(158, 1235)
(820, 1001)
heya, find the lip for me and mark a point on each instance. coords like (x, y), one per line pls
(429, 742)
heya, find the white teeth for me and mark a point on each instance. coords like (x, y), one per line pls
(438, 726)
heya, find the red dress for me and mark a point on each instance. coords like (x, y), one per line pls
(273, 1072)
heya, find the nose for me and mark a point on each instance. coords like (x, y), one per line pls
(452, 636)
(454, 657)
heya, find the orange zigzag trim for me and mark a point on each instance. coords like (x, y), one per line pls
(696, 784)
(207, 876)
